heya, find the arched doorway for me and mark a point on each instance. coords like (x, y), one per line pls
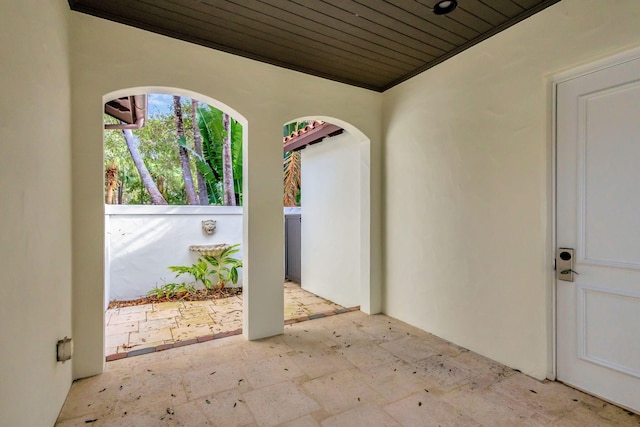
(335, 211)
(160, 231)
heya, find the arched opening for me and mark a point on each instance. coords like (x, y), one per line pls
(175, 256)
(334, 210)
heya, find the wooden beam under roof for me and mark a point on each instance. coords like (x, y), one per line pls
(310, 135)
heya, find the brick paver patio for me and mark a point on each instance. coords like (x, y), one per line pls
(141, 329)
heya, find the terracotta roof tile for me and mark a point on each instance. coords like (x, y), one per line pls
(302, 131)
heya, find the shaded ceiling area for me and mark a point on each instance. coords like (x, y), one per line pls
(374, 44)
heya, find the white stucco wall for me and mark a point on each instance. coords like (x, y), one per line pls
(35, 208)
(143, 241)
(330, 249)
(260, 94)
(468, 187)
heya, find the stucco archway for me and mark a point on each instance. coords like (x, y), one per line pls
(143, 256)
(336, 225)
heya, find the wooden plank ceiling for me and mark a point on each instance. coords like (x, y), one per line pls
(374, 44)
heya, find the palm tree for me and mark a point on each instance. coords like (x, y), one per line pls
(291, 178)
(192, 199)
(292, 168)
(227, 164)
(197, 146)
(145, 176)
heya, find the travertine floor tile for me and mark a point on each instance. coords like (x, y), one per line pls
(116, 319)
(441, 373)
(367, 356)
(157, 324)
(342, 390)
(394, 380)
(154, 335)
(191, 331)
(226, 409)
(270, 370)
(278, 403)
(306, 421)
(316, 361)
(162, 314)
(214, 378)
(410, 348)
(421, 409)
(121, 328)
(135, 309)
(364, 415)
(309, 377)
(488, 406)
(116, 340)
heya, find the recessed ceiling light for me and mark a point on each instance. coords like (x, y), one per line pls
(445, 6)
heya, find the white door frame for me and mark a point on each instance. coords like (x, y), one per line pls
(553, 82)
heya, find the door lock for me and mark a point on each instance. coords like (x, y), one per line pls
(564, 264)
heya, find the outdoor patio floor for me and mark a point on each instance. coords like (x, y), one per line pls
(140, 329)
(346, 370)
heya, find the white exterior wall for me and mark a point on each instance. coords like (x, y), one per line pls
(330, 202)
(143, 241)
(35, 210)
(260, 95)
(468, 188)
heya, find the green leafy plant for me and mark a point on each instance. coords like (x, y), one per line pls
(225, 267)
(170, 290)
(199, 271)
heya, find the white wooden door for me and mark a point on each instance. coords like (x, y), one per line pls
(598, 214)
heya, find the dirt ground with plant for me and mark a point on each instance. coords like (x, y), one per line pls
(198, 295)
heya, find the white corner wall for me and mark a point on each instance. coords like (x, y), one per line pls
(260, 93)
(468, 188)
(143, 241)
(330, 249)
(35, 208)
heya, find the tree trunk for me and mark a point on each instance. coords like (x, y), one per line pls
(145, 176)
(227, 164)
(111, 176)
(120, 192)
(192, 199)
(197, 143)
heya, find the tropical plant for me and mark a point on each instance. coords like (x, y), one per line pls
(225, 267)
(200, 131)
(199, 271)
(145, 176)
(227, 164)
(292, 169)
(215, 133)
(203, 194)
(170, 290)
(190, 189)
(292, 181)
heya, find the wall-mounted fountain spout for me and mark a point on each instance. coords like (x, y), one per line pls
(209, 250)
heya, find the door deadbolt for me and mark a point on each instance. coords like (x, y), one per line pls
(564, 264)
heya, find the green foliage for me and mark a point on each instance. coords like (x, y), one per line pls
(292, 168)
(170, 290)
(210, 164)
(199, 271)
(225, 267)
(159, 149)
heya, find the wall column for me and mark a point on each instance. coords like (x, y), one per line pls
(263, 230)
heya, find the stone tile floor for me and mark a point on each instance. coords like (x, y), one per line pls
(136, 329)
(345, 370)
